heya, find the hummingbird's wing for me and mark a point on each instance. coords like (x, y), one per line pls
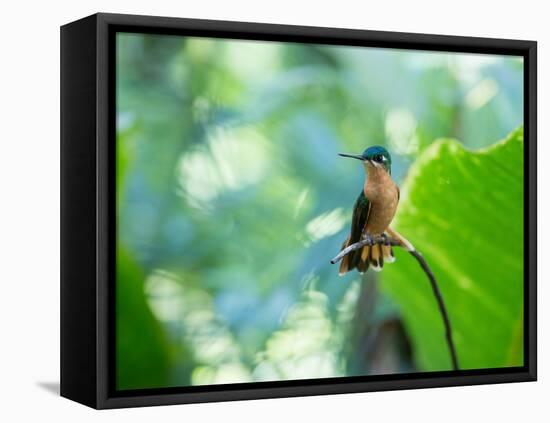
(361, 211)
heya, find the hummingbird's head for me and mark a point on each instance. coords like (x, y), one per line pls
(375, 156)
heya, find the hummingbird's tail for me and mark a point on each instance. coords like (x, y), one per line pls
(369, 256)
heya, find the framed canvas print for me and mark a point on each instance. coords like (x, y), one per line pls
(256, 211)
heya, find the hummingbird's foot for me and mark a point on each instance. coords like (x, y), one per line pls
(368, 238)
(385, 238)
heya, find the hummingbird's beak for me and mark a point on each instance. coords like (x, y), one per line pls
(353, 156)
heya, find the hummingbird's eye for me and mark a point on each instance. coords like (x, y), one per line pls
(379, 158)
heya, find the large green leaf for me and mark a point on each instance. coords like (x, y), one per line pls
(463, 210)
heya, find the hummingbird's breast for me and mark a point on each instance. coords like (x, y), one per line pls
(383, 195)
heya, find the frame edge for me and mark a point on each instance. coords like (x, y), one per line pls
(78, 169)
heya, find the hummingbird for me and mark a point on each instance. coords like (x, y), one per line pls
(373, 212)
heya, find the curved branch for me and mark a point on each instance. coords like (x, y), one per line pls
(441, 304)
(433, 282)
(360, 244)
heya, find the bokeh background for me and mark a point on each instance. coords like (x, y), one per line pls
(231, 201)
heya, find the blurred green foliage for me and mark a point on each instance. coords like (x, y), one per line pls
(141, 344)
(231, 201)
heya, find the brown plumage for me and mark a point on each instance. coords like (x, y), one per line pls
(372, 214)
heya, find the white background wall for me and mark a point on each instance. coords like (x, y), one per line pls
(29, 210)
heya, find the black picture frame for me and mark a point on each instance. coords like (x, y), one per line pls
(88, 199)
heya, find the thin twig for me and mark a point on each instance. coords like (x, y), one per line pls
(433, 282)
(441, 304)
(360, 244)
